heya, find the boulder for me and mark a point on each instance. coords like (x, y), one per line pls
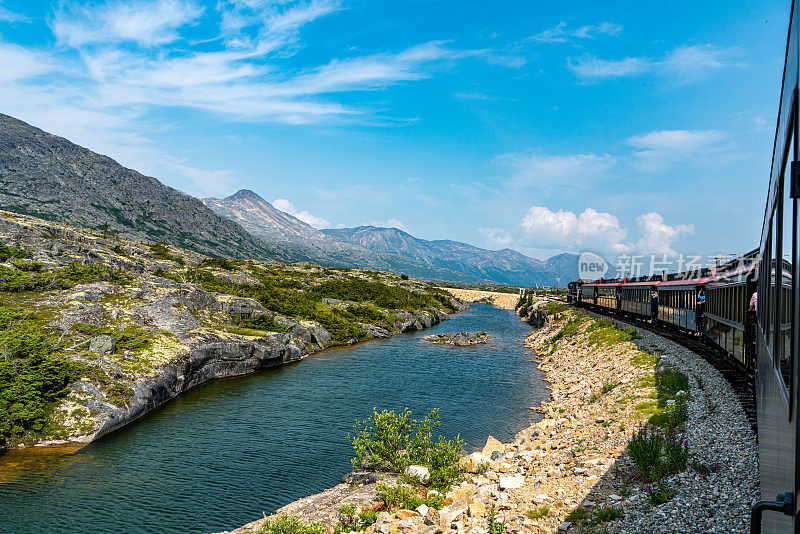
(103, 344)
(419, 472)
(359, 478)
(492, 445)
(511, 482)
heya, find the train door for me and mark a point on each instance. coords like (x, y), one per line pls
(776, 366)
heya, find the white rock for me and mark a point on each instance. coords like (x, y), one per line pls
(420, 472)
(542, 497)
(423, 510)
(511, 482)
(565, 526)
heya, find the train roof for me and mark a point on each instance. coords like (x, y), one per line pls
(675, 284)
(642, 284)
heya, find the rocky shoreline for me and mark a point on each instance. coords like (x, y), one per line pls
(571, 471)
(459, 339)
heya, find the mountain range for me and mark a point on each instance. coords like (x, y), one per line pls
(49, 177)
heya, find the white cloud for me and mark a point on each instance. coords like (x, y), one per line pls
(11, 16)
(591, 67)
(599, 232)
(19, 63)
(561, 34)
(657, 237)
(145, 22)
(683, 64)
(496, 237)
(659, 150)
(690, 63)
(531, 169)
(312, 220)
(390, 223)
(209, 182)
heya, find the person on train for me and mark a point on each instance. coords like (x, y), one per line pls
(654, 304)
(754, 301)
(700, 308)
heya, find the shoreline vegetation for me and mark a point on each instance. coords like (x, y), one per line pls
(97, 331)
(639, 435)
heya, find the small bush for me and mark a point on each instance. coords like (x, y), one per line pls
(495, 526)
(393, 441)
(7, 252)
(350, 521)
(119, 249)
(403, 277)
(538, 513)
(29, 266)
(645, 450)
(676, 454)
(161, 251)
(704, 469)
(263, 322)
(669, 382)
(659, 493)
(218, 263)
(578, 514)
(607, 513)
(286, 524)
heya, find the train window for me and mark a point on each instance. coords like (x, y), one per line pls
(772, 296)
(787, 266)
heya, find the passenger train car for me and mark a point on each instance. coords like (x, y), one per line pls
(747, 309)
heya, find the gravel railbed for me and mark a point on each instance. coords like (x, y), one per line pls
(718, 433)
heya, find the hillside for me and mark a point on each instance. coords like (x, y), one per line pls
(49, 177)
(296, 240)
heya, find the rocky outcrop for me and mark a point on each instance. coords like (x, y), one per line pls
(222, 359)
(459, 339)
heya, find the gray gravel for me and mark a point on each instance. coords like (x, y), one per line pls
(718, 433)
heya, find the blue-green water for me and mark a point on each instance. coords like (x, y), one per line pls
(219, 456)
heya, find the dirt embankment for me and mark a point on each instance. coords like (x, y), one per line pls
(507, 301)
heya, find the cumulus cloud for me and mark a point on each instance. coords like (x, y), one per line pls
(312, 220)
(657, 237)
(531, 169)
(560, 33)
(496, 237)
(545, 229)
(599, 232)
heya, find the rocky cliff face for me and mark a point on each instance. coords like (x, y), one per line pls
(49, 177)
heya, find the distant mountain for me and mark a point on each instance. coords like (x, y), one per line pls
(296, 240)
(456, 261)
(51, 178)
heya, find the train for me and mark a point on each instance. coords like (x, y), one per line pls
(746, 309)
(716, 304)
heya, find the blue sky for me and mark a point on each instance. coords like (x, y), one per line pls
(615, 127)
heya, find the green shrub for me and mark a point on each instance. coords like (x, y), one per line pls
(645, 450)
(495, 526)
(287, 524)
(8, 251)
(161, 251)
(669, 382)
(29, 266)
(659, 493)
(403, 277)
(119, 249)
(219, 263)
(538, 513)
(263, 322)
(607, 513)
(393, 441)
(30, 388)
(676, 454)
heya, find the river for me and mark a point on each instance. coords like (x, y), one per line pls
(222, 454)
